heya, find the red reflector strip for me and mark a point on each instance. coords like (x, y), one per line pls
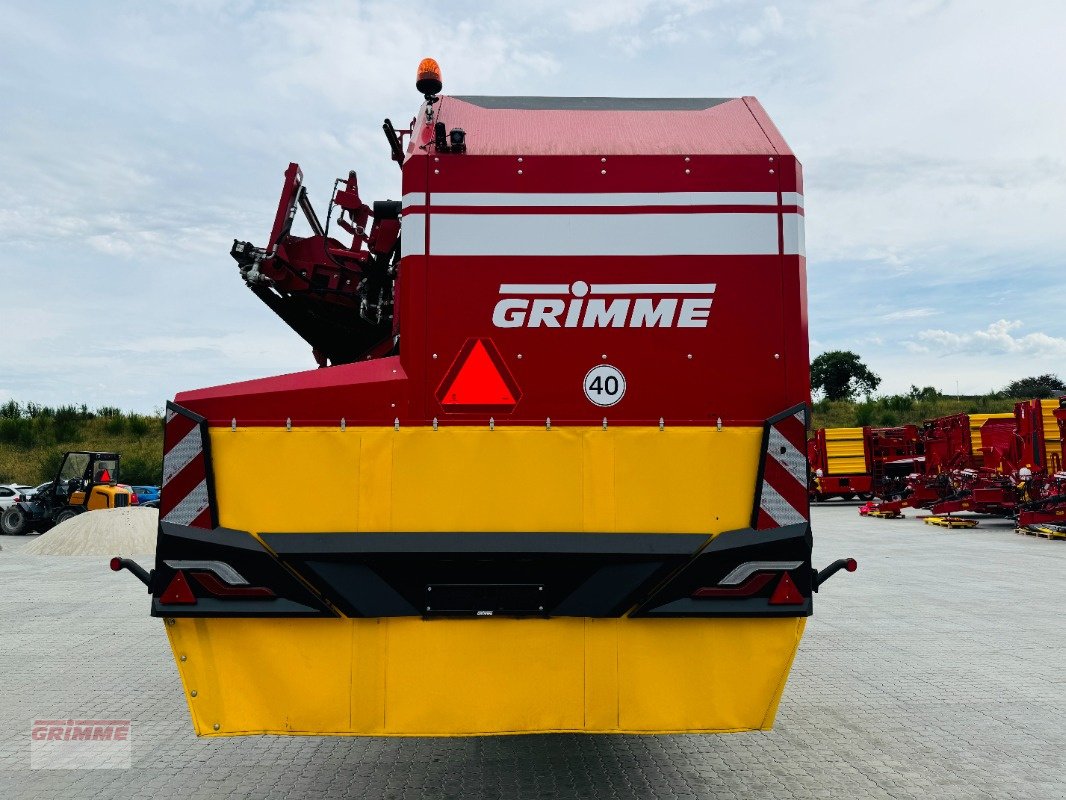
(178, 592)
(752, 585)
(786, 593)
(220, 589)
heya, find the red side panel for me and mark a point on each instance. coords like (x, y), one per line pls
(371, 392)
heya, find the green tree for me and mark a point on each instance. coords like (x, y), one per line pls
(1038, 386)
(925, 393)
(840, 374)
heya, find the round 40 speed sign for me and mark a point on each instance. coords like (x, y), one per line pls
(604, 385)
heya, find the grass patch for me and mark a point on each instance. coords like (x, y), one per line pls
(893, 410)
(33, 439)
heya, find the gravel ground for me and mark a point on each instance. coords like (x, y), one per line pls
(935, 671)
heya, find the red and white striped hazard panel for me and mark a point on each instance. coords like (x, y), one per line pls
(186, 495)
(781, 494)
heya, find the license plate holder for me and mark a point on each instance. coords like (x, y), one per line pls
(484, 600)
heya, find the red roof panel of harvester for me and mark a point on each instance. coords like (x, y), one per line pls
(548, 126)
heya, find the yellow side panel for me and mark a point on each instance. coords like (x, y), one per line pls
(843, 434)
(845, 451)
(477, 479)
(847, 466)
(976, 421)
(601, 674)
(407, 676)
(682, 480)
(511, 675)
(657, 690)
(686, 482)
(284, 675)
(1052, 435)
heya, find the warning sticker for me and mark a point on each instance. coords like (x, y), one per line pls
(478, 380)
(604, 385)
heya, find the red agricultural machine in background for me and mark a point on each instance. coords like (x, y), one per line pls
(862, 462)
(1047, 513)
(1005, 465)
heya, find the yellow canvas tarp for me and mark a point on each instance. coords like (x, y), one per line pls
(413, 676)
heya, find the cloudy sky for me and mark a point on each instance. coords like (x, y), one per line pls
(137, 140)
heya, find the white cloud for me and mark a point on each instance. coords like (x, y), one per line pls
(996, 339)
(909, 313)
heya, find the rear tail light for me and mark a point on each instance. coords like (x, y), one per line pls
(178, 592)
(220, 589)
(786, 593)
(750, 587)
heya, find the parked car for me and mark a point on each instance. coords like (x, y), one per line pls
(10, 492)
(30, 491)
(146, 494)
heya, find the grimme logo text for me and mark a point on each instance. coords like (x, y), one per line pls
(604, 305)
(75, 730)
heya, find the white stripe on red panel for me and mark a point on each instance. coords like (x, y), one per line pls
(181, 454)
(792, 228)
(726, 234)
(189, 507)
(779, 509)
(186, 495)
(782, 450)
(783, 498)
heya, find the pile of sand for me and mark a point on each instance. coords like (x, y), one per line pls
(108, 532)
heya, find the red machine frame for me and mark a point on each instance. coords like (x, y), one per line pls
(1016, 475)
(890, 454)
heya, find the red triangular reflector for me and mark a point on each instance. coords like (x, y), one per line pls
(178, 592)
(786, 593)
(477, 382)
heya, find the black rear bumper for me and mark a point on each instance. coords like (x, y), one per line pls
(228, 573)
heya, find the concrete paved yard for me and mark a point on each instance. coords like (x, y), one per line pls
(938, 670)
